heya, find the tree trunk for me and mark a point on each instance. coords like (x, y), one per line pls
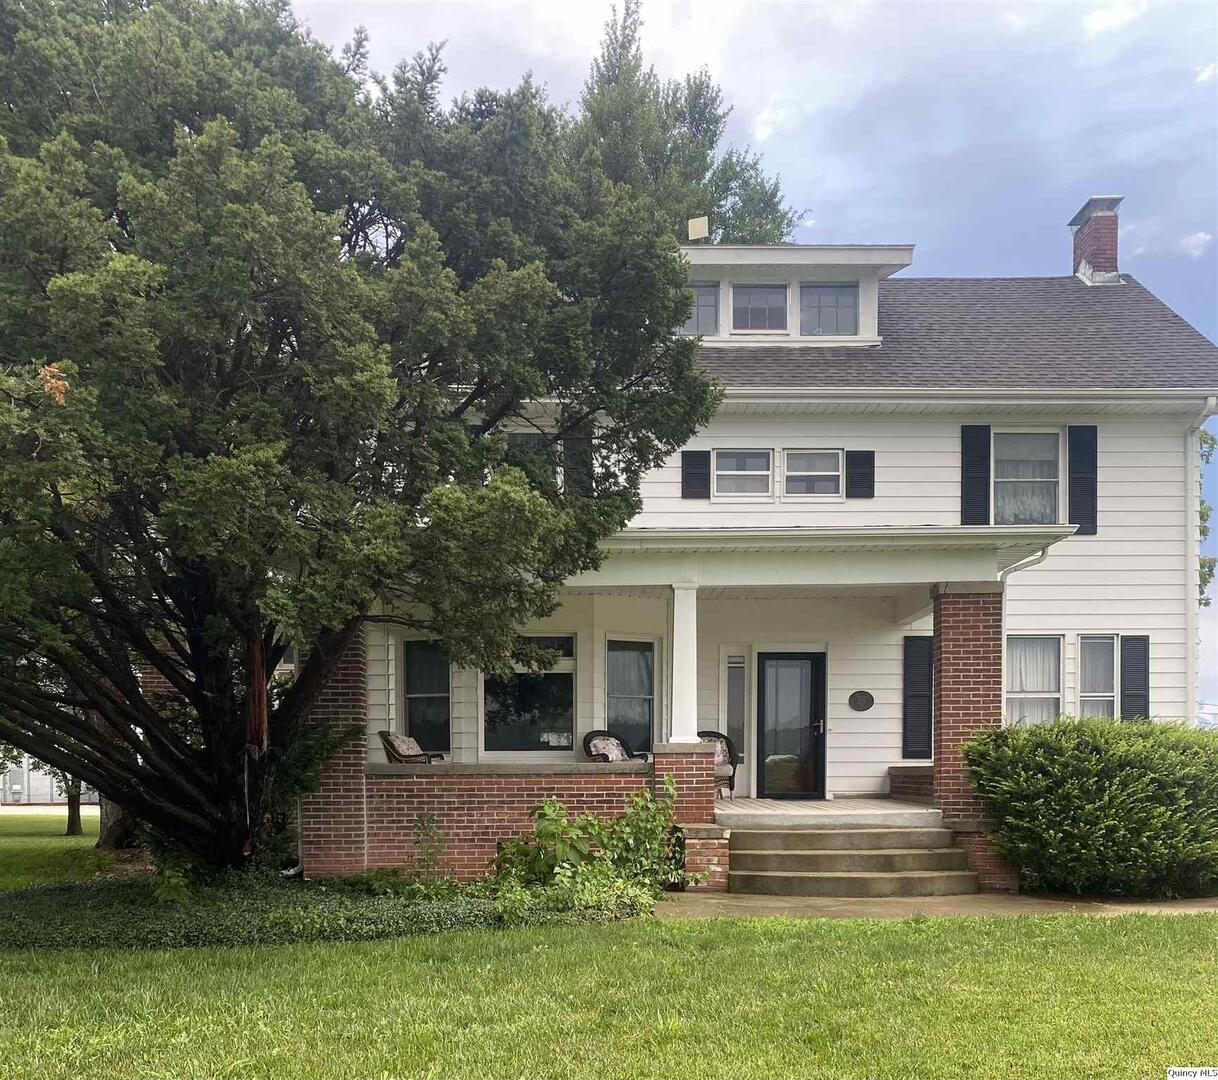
(72, 790)
(117, 828)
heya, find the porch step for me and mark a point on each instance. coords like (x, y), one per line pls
(843, 814)
(862, 860)
(837, 839)
(910, 883)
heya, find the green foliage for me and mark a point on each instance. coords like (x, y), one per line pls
(264, 320)
(588, 891)
(1102, 807)
(640, 846)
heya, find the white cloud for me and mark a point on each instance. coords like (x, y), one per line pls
(1195, 244)
(1206, 74)
(773, 117)
(808, 223)
(1112, 16)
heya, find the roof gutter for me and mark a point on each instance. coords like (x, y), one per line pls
(980, 394)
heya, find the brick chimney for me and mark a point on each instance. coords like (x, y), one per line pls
(1095, 240)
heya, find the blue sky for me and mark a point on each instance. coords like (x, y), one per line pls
(972, 129)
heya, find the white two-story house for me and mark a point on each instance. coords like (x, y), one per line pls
(925, 506)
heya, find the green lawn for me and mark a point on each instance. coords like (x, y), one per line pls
(1059, 996)
(33, 849)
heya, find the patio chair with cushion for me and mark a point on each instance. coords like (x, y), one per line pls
(403, 750)
(605, 746)
(726, 760)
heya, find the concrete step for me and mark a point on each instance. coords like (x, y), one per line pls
(843, 816)
(836, 839)
(863, 860)
(909, 883)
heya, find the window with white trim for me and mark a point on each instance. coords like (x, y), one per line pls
(630, 692)
(829, 309)
(812, 472)
(737, 701)
(1034, 679)
(529, 711)
(743, 472)
(1027, 468)
(425, 696)
(1097, 675)
(759, 307)
(704, 320)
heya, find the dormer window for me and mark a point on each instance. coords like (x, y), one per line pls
(831, 310)
(759, 307)
(704, 322)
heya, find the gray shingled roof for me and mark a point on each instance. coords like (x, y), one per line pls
(1001, 333)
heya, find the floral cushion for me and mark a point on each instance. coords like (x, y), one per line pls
(404, 745)
(610, 747)
(722, 757)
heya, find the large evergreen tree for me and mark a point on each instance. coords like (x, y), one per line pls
(262, 328)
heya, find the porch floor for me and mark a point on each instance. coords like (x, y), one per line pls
(825, 814)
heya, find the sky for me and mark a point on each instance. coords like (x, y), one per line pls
(973, 129)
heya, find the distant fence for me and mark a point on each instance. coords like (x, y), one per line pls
(24, 785)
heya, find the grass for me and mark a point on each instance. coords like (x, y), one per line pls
(34, 850)
(945, 998)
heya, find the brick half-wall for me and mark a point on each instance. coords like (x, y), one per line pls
(366, 815)
(967, 701)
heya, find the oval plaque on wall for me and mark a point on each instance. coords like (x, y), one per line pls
(861, 701)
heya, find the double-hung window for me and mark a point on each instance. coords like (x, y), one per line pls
(630, 697)
(704, 321)
(828, 309)
(1026, 477)
(1097, 681)
(1034, 679)
(743, 472)
(812, 472)
(533, 712)
(759, 307)
(426, 695)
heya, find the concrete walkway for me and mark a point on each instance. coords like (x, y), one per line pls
(709, 905)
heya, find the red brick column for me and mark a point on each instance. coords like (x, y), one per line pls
(334, 819)
(692, 767)
(967, 701)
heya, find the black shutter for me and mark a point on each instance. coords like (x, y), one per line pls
(1082, 458)
(577, 463)
(916, 698)
(860, 474)
(975, 474)
(1135, 676)
(695, 474)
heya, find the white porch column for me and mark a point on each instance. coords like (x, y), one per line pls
(684, 727)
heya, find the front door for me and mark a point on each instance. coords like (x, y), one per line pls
(791, 725)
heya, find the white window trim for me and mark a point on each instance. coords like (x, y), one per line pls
(745, 778)
(785, 285)
(564, 665)
(1022, 694)
(1115, 696)
(799, 307)
(742, 496)
(658, 695)
(1060, 481)
(787, 496)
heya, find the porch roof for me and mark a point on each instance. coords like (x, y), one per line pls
(844, 555)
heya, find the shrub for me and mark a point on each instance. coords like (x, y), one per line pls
(578, 893)
(1100, 807)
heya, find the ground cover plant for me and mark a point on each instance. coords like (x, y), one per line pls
(1101, 807)
(1022, 999)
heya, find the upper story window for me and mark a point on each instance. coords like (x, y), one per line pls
(704, 322)
(759, 307)
(812, 472)
(1026, 477)
(742, 472)
(828, 309)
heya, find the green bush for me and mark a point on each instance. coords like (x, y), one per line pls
(1092, 806)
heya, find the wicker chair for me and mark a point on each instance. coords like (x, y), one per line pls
(726, 760)
(603, 745)
(403, 750)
